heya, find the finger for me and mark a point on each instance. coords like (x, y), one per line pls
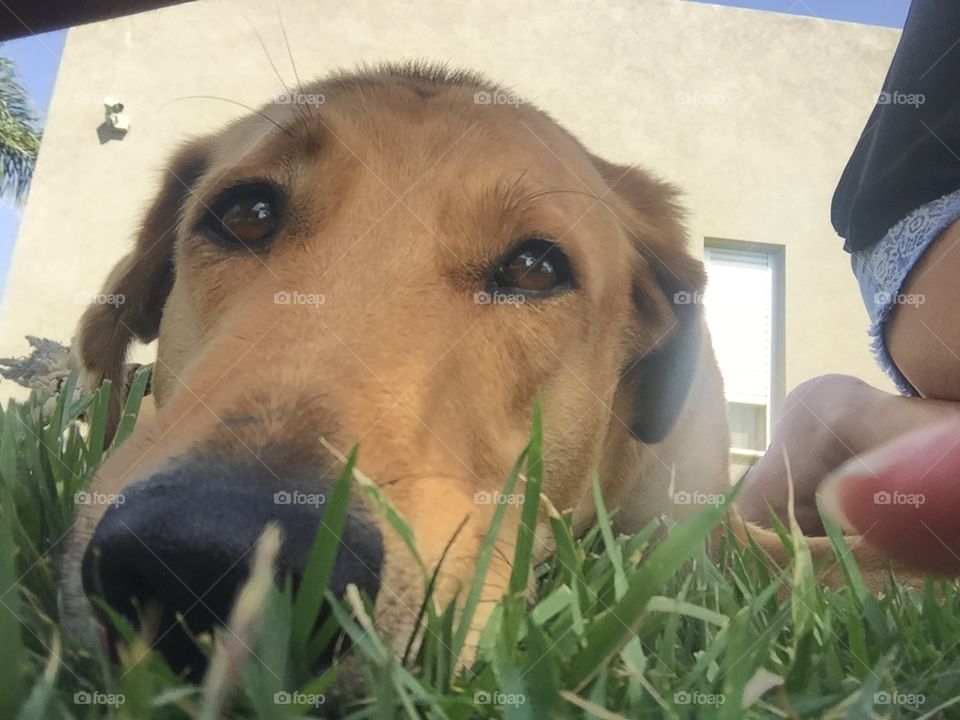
(904, 498)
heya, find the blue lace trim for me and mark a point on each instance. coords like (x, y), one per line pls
(882, 268)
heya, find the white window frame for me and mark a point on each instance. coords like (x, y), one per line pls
(776, 259)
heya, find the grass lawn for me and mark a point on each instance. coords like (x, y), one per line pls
(620, 627)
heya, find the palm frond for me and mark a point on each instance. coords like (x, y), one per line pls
(19, 134)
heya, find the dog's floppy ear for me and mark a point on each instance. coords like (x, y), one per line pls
(139, 284)
(667, 289)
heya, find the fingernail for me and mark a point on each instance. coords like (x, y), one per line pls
(910, 463)
(831, 494)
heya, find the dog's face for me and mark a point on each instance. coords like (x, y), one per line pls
(400, 267)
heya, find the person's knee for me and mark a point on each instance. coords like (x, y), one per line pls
(824, 400)
(812, 435)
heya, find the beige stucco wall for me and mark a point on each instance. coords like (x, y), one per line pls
(753, 114)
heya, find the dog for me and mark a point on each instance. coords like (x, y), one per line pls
(405, 267)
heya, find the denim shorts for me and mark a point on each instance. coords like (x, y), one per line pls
(882, 268)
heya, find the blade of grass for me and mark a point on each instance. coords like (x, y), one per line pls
(483, 558)
(37, 706)
(11, 680)
(611, 630)
(610, 545)
(316, 576)
(131, 408)
(571, 562)
(526, 533)
(98, 425)
(428, 594)
(804, 581)
(383, 504)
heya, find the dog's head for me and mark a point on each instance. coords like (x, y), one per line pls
(396, 259)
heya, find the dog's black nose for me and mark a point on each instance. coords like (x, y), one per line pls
(180, 544)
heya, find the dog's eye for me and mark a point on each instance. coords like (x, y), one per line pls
(535, 267)
(246, 215)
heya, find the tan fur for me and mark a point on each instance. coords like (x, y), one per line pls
(401, 188)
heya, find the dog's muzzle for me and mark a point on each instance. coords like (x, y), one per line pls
(182, 541)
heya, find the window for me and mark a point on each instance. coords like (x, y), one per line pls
(744, 307)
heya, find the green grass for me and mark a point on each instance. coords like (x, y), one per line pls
(632, 627)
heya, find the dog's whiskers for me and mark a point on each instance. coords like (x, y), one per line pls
(233, 102)
(301, 99)
(263, 46)
(428, 595)
(504, 557)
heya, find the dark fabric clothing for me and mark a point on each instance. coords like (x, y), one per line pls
(909, 151)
